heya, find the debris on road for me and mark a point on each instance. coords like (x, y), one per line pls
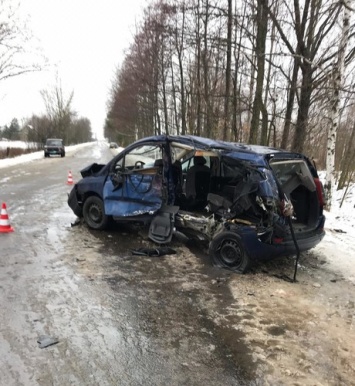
(153, 251)
(76, 222)
(46, 340)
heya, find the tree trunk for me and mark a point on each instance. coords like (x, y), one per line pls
(173, 89)
(337, 83)
(198, 64)
(347, 162)
(262, 20)
(181, 68)
(303, 111)
(165, 104)
(208, 112)
(228, 72)
(290, 101)
(264, 128)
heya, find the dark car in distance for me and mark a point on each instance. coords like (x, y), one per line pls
(54, 146)
(113, 145)
(249, 202)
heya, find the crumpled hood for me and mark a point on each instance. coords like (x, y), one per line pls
(91, 170)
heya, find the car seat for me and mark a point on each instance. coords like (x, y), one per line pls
(198, 183)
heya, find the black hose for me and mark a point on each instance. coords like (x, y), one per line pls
(296, 246)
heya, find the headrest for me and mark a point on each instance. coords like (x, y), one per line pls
(158, 163)
(199, 160)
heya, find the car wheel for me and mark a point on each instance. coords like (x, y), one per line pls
(46, 155)
(226, 250)
(62, 155)
(94, 213)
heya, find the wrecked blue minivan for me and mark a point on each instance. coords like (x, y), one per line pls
(249, 202)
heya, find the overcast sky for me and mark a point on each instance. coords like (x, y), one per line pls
(84, 41)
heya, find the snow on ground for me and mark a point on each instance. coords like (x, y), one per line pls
(30, 156)
(337, 247)
(17, 144)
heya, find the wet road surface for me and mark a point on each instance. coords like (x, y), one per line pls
(172, 320)
(120, 319)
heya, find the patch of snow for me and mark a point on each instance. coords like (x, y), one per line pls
(24, 158)
(338, 245)
(16, 144)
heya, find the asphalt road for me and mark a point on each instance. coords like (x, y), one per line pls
(118, 319)
(124, 320)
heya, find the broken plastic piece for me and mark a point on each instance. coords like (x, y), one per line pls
(76, 222)
(153, 251)
(46, 340)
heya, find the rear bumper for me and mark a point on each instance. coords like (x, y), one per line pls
(261, 251)
(304, 243)
(54, 151)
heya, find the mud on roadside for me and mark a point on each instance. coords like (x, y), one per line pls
(300, 333)
(275, 331)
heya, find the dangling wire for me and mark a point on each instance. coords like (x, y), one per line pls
(296, 246)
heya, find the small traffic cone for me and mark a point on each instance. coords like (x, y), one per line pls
(70, 179)
(5, 226)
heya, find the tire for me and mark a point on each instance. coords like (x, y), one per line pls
(227, 251)
(62, 155)
(46, 155)
(94, 213)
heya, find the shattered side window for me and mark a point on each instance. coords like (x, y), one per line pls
(233, 170)
(141, 157)
(144, 156)
(236, 171)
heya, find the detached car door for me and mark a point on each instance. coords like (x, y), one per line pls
(135, 183)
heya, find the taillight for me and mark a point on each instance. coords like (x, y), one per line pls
(320, 191)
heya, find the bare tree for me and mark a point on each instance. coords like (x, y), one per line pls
(337, 85)
(16, 57)
(262, 21)
(228, 72)
(213, 68)
(313, 23)
(179, 44)
(59, 111)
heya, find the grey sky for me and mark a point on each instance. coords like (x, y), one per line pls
(84, 41)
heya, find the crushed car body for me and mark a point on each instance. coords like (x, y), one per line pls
(249, 202)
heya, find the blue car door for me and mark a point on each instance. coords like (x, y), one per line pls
(135, 184)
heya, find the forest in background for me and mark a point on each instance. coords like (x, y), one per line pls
(276, 73)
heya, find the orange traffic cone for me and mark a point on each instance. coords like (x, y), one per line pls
(5, 226)
(70, 179)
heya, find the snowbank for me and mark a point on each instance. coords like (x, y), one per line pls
(30, 156)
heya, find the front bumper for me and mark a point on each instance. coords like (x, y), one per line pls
(74, 204)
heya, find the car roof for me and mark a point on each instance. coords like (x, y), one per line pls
(255, 154)
(208, 143)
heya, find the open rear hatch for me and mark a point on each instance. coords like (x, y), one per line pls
(299, 186)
